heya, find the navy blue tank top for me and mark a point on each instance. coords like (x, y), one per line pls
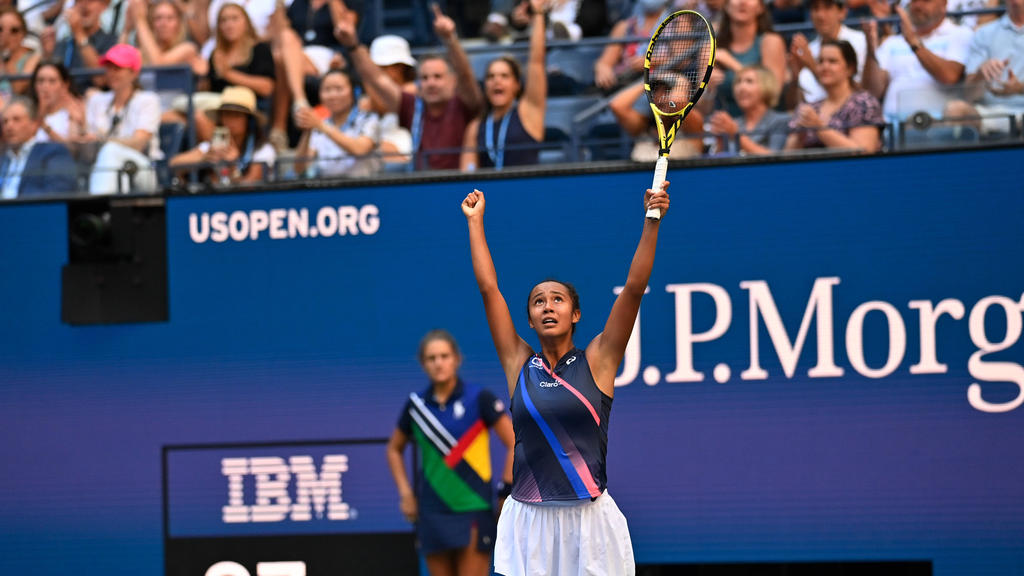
(515, 138)
(560, 418)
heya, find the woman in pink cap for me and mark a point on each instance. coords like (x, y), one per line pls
(124, 123)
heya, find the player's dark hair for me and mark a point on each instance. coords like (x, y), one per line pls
(574, 296)
(438, 334)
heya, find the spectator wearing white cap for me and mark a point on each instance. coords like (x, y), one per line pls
(124, 123)
(393, 56)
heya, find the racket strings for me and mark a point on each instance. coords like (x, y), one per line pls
(679, 59)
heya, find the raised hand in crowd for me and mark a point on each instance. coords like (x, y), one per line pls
(800, 55)
(1008, 87)
(307, 119)
(48, 41)
(444, 26)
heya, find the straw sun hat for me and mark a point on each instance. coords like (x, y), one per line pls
(237, 99)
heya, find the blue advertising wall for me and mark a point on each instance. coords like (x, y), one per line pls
(828, 365)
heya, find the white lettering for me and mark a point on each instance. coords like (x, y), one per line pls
(929, 317)
(238, 225)
(631, 358)
(298, 223)
(685, 336)
(369, 219)
(236, 510)
(327, 221)
(313, 493)
(219, 225)
(272, 500)
(348, 218)
(855, 339)
(277, 231)
(994, 371)
(819, 304)
(201, 233)
(260, 221)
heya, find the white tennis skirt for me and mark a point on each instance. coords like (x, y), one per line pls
(576, 539)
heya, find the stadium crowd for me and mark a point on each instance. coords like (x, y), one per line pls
(296, 89)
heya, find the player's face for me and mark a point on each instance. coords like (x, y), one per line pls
(437, 83)
(551, 309)
(440, 362)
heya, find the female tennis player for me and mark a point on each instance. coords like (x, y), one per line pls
(560, 518)
(449, 422)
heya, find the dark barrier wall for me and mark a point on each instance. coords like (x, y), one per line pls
(828, 365)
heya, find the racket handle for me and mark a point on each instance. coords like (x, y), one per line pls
(660, 169)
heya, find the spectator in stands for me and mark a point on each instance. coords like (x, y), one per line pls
(29, 167)
(711, 9)
(633, 112)
(848, 117)
(760, 129)
(304, 47)
(239, 59)
(449, 96)
(87, 42)
(344, 141)
(827, 17)
(745, 37)
(393, 56)
(258, 12)
(160, 33)
(61, 111)
(620, 64)
(511, 122)
(914, 70)
(995, 72)
(124, 125)
(15, 57)
(242, 155)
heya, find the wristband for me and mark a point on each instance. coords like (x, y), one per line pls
(504, 490)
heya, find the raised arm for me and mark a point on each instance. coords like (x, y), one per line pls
(512, 350)
(605, 352)
(534, 102)
(466, 89)
(875, 78)
(378, 85)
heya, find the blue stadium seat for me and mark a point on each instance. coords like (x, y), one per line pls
(607, 141)
(557, 147)
(561, 111)
(576, 62)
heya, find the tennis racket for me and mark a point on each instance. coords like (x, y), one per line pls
(677, 67)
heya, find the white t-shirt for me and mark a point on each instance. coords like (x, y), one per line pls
(813, 91)
(142, 113)
(911, 88)
(333, 160)
(59, 122)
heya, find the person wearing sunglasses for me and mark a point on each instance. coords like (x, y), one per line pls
(15, 57)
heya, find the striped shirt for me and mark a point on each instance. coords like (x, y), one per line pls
(454, 468)
(561, 421)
